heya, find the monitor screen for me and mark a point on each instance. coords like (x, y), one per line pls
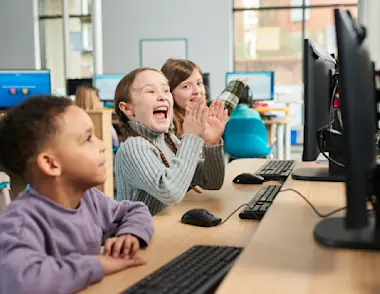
(17, 85)
(260, 83)
(106, 84)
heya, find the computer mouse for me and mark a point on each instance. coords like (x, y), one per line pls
(200, 218)
(248, 178)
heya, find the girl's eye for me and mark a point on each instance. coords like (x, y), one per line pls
(167, 91)
(89, 138)
(186, 86)
(150, 91)
(200, 83)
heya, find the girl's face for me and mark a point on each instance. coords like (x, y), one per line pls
(189, 91)
(151, 102)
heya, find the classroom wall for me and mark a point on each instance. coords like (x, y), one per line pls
(16, 34)
(207, 24)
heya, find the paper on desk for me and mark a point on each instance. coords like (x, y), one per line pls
(322, 159)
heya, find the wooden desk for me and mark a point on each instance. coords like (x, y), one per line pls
(286, 110)
(102, 123)
(172, 237)
(282, 256)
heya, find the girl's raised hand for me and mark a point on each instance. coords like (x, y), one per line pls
(195, 119)
(216, 122)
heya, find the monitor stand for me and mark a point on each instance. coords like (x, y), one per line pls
(331, 143)
(333, 232)
(332, 173)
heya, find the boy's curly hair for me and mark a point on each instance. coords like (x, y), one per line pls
(26, 128)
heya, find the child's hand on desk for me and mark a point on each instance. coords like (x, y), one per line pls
(216, 122)
(112, 265)
(125, 246)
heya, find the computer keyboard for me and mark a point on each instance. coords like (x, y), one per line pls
(274, 170)
(260, 203)
(198, 270)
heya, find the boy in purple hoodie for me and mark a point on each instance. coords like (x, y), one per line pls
(51, 235)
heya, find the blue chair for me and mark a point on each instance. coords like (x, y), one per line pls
(246, 136)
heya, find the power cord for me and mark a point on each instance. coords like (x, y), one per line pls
(245, 204)
(312, 206)
(304, 198)
(322, 150)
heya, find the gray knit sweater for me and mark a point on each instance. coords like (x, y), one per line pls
(142, 176)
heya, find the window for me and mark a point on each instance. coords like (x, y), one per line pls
(296, 15)
(80, 59)
(272, 43)
(268, 36)
(321, 29)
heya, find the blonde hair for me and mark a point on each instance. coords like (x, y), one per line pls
(87, 98)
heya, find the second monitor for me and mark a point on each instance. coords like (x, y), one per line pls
(319, 128)
(106, 84)
(260, 83)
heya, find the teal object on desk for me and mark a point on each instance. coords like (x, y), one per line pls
(245, 135)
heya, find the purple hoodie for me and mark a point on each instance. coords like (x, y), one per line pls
(45, 248)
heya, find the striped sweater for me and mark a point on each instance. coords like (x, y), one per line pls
(142, 176)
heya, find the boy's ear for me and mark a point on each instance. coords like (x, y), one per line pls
(48, 164)
(127, 109)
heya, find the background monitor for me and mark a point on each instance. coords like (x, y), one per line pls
(106, 84)
(73, 84)
(261, 83)
(17, 85)
(357, 99)
(319, 67)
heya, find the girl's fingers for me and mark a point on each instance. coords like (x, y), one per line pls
(201, 107)
(211, 111)
(205, 115)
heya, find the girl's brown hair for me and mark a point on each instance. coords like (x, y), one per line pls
(177, 71)
(87, 98)
(123, 94)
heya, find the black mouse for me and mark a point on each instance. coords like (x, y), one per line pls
(247, 178)
(201, 218)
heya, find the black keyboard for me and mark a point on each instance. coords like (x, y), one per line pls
(274, 170)
(198, 270)
(260, 203)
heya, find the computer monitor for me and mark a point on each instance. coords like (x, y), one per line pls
(18, 85)
(260, 83)
(319, 84)
(106, 84)
(357, 230)
(73, 84)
